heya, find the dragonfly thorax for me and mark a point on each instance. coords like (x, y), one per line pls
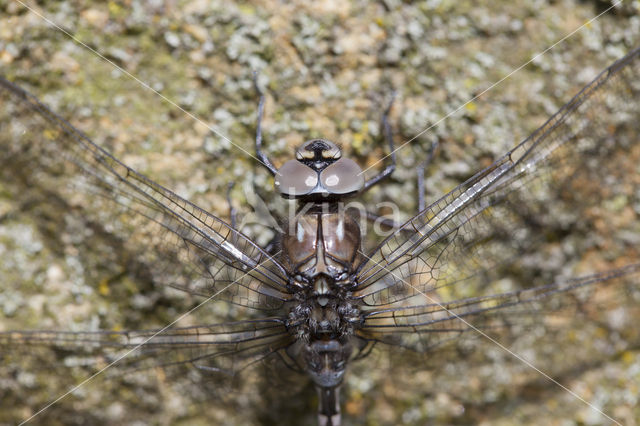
(324, 330)
(321, 248)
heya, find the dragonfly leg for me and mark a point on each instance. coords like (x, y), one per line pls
(233, 213)
(388, 223)
(260, 154)
(273, 245)
(384, 221)
(420, 172)
(388, 135)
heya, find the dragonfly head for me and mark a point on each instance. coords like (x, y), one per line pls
(319, 171)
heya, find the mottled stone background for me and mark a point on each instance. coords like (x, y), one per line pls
(328, 69)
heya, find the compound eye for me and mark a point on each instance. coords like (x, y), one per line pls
(294, 178)
(342, 177)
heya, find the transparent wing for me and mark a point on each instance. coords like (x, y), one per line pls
(501, 317)
(185, 246)
(552, 185)
(226, 348)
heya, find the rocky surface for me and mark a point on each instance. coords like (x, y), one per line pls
(187, 120)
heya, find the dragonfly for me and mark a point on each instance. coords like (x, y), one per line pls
(318, 299)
